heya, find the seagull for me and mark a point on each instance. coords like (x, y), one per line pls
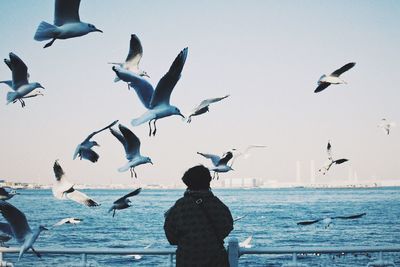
(245, 153)
(63, 189)
(330, 161)
(84, 149)
(386, 126)
(246, 243)
(328, 220)
(66, 23)
(133, 59)
(220, 163)
(132, 149)
(20, 228)
(239, 218)
(20, 85)
(71, 221)
(123, 202)
(155, 100)
(203, 107)
(333, 78)
(139, 257)
(6, 193)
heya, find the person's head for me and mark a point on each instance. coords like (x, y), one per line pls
(197, 178)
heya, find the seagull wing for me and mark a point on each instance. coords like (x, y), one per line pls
(322, 86)
(61, 185)
(89, 154)
(214, 158)
(142, 87)
(343, 69)
(340, 161)
(3, 191)
(119, 136)
(66, 11)
(329, 150)
(61, 222)
(9, 83)
(239, 218)
(16, 219)
(19, 71)
(164, 88)
(135, 52)
(102, 129)
(308, 222)
(224, 160)
(207, 102)
(246, 242)
(81, 198)
(132, 144)
(6, 228)
(131, 194)
(356, 216)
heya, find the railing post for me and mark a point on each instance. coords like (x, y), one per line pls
(171, 260)
(233, 252)
(84, 259)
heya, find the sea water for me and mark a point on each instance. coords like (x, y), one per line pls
(271, 218)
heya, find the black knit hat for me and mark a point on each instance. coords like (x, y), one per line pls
(197, 178)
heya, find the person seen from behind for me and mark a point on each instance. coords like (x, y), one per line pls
(198, 223)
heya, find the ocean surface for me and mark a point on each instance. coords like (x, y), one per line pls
(271, 217)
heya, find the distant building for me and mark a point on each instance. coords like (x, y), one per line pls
(240, 183)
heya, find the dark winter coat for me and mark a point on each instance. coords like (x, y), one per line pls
(187, 226)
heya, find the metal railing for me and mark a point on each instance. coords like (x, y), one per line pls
(234, 252)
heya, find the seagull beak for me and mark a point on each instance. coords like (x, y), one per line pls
(180, 114)
(44, 228)
(98, 30)
(151, 162)
(42, 87)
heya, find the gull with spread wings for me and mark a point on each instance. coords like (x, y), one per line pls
(203, 107)
(157, 100)
(67, 23)
(324, 169)
(123, 202)
(63, 189)
(333, 78)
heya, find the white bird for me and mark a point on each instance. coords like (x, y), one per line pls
(324, 169)
(71, 220)
(139, 257)
(63, 189)
(20, 228)
(66, 23)
(333, 78)
(84, 149)
(7, 192)
(131, 145)
(133, 59)
(203, 107)
(123, 202)
(244, 153)
(246, 243)
(19, 84)
(386, 126)
(155, 100)
(220, 163)
(327, 221)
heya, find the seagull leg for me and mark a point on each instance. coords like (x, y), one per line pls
(131, 170)
(150, 127)
(114, 213)
(36, 253)
(49, 43)
(155, 128)
(134, 172)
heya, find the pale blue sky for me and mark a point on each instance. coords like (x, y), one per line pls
(268, 55)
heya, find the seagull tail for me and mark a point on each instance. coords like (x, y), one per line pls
(45, 31)
(11, 96)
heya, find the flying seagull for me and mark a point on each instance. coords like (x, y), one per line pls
(328, 220)
(203, 107)
(84, 149)
(19, 84)
(6, 193)
(246, 242)
(386, 126)
(20, 227)
(66, 23)
(220, 163)
(324, 169)
(333, 78)
(123, 202)
(155, 100)
(244, 153)
(131, 145)
(63, 189)
(133, 59)
(71, 221)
